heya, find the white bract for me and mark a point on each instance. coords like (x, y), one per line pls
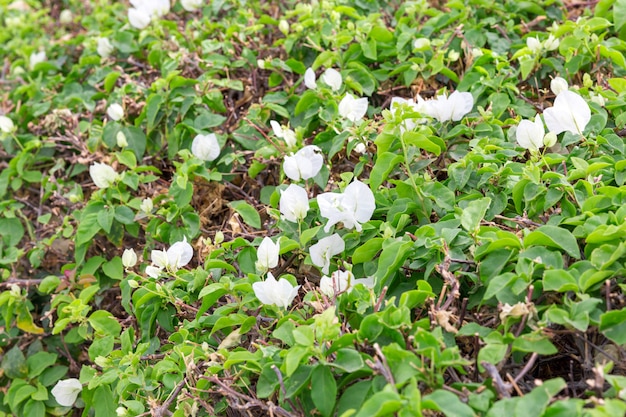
(551, 43)
(267, 255)
(176, 257)
(570, 113)
(352, 207)
(146, 205)
(558, 85)
(304, 164)
(143, 11)
(353, 108)
(325, 249)
(530, 135)
(421, 44)
(419, 107)
(332, 78)
(271, 292)
(288, 135)
(191, 5)
(103, 175)
(129, 258)
(205, 147)
(454, 107)
(121, 140)
(341, 281)
(294, 203)
(36, 58)
(104, 47)
(6, 125)
(533, 44)
(66, 391)
(115, 111)
(309, 79)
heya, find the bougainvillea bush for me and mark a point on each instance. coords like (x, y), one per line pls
(312, 208)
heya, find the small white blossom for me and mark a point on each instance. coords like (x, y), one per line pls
(558, 85)
(176, 257)
(533, 44)
(454, 107)
(322, 252)
(551, 43)
(271, 292)
(129, 258)
(104, 48)
(205, 147)
(267, 255)
(304, 164)
(66, 391)
(332, 78)
(103, 175)
(66, 16)
(354, 206)
(353, 108)
(570, 112)
(36, 58)
(530, 135)
(342, 281)
(191, 5)
(139, 18)
(115, 111)
(421, 44)
(146, 205)
(288, 135)
(309, 79)
(120, 138)
(294, 203)
(6, 125)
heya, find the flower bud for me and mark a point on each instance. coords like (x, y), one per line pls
(219, 237)
(121, 412)
(129, 258)
(453, 55)
(6, 125)
(283, 26)
(103, 175)
(587, 81)
(558, 85)
(132, 283)
(115, 112)
(549, 139)
(121, 139)
(146, 205)
(104, 47)
(66, 17)
(551, 43)
(421, 44)
(533, 44)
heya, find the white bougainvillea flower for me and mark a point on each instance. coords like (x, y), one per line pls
(419, 107)
(342, 281)
(558, 85)
(205, 147)
(271, 292)
(103, 175)
(294, 203)
(288, 135)
(129, 258)
(115, 111)
(353, 108)
(454, 107)
(323, 251)
(104, 48)
(191, 5)
(332, 78)
(143, 11)
(352, 207)
(421, 44)
(6, 125)
(66, 391)
(267, 255)
(551, 43)
(309, 79)
(570, 113)
(176, 257)
(533, 44)
(530, 135)
(304, 164)
(36, 58)
(146, 205)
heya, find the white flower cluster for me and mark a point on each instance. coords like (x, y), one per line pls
(570, 113)
(443, 108)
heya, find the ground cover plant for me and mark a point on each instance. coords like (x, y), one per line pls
(312, 208)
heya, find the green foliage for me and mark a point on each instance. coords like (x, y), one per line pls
(483, 276)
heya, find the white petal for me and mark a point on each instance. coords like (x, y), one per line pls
(558, 85)
(179, 254)
(309, 79)
(570, 113)
(359, 200)
(294, 203)
(66, 391)
(290, 166)
(205, 147)
(138, 18)
(352, 108)
(103, 175)
(461, 103)
(153, 271)
(530, 135)
(267, 254)
(325, 249)
(332, 78)
(331, 208)
(278, 130)
(159, 258)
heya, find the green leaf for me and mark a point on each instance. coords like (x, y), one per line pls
(613, 325)
(367, 251)
(385, 163)
(114, 268)
(249, 214)
(534, 342)
(554, 237)
(103, 402)
(348, 360)
(474, 213)
(296, 382)
(619, 14)
(323, 389)
(38, 362)
(391, 259)
(448, 403)
(12, 231)
(559, 280)
(382, 403)
(104, 322)
(14, 363)
(153, 105)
